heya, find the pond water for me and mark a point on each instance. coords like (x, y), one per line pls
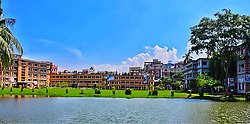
(116, 110)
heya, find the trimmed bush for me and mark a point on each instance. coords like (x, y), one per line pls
(67, 91)
(201, 94)
(155, 93)
(128, 92)
(172, 93)
(97, 91)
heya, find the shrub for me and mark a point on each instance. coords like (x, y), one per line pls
(155, 93)
(128, 92)
(97, 91)
(172, 93)
(228, 97)
(247, 96)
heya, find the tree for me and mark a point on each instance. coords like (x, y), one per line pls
(178, 75)
(62, 84)
(220, 38)
(8, 42)
(177, 85)
(165, 81)
(204, 81)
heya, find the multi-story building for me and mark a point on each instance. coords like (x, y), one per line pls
(135, 70)
(77, 79)
(193, 68)
(26, 71)
(154, 68)
(119, 81)
(243, 73)
(168, 69)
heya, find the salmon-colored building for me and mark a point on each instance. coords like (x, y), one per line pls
(103, 80)
(26, 71)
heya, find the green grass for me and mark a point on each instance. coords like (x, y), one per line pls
(61, 92)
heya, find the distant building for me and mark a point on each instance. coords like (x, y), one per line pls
(26, 71)
(135, 70)
(154, 68)
(168, 70)
(193, 68)
(119, 81)
(88, 71)
(243, 74)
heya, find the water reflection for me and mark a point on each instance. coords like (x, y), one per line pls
(108, 110)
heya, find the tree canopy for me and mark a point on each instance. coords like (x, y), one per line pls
(220, 37)
(8, 42)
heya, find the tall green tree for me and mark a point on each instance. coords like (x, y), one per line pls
(204, 81)
(9, 44)
(178, 75)
(220, 38)
(165, 81)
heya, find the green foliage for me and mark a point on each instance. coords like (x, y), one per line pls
(178, 75)
(128, 92)
(62, 84)
(8, 41)
(220, 38)
(165, 80)
(155, 93)
(97, 91)
(204, 81)
(247, 96)
(228, 97)
(177, 84)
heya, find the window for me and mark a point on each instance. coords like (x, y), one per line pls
(241, 86)
(241, 68)
(204, 63)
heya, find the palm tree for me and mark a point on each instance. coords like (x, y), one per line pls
(187, 57)
(8, 42)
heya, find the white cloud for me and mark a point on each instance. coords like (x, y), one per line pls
(72, 50)
(75, 52)
(194, 55)
(156, 52)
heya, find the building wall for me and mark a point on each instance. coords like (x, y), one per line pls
(121, 81)
(26, 70)
(193, 68)
(154, 68)
(243, 74)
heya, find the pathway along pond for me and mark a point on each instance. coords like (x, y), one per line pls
(116, 110)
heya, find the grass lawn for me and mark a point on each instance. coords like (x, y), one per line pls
(72, 92)
(61, 92)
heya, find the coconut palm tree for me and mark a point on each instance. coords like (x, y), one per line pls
(187, 57)
(8, 43)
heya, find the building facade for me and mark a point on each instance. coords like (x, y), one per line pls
(26, 71)
(154, 68)
(168, 70)
(243, 74)
(193, 68)
(101, 80)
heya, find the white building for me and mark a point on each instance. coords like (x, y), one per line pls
(193, 68)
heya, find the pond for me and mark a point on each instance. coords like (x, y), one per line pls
(116, 110)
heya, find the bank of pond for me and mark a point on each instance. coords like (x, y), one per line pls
(128, 93)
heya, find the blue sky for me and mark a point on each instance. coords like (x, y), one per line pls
(109, 34)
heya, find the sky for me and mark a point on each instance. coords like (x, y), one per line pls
(109, 34)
